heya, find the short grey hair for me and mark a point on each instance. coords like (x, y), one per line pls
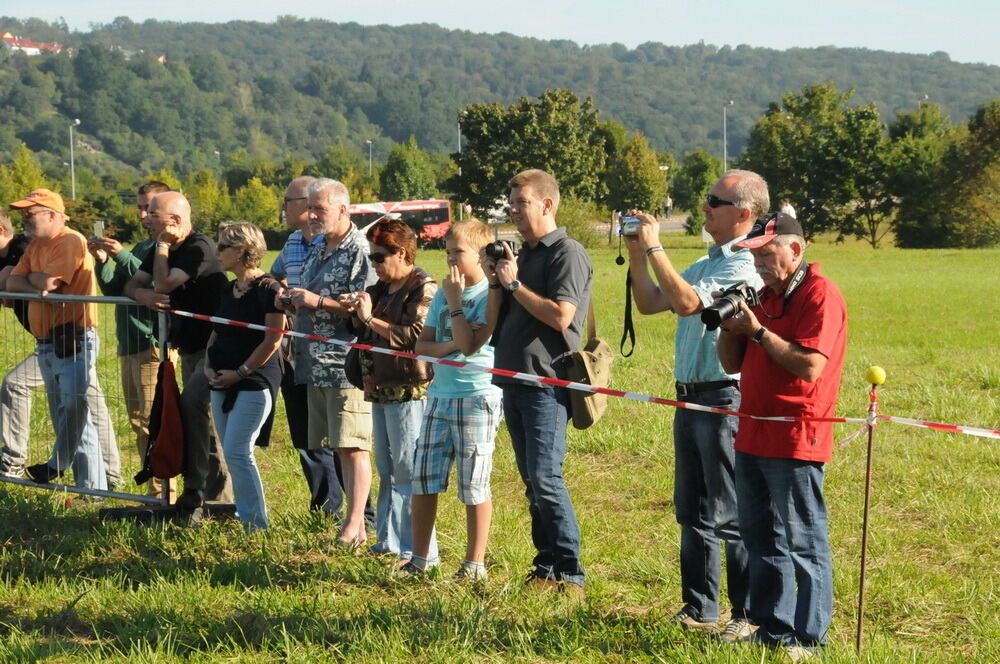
(786, 239)
(336, 192)
(749, 192)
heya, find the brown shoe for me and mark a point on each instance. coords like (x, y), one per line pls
(572, 590)
(689, 622)
(542, 585)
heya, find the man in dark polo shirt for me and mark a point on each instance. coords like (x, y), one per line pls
(545, 293)
(184, 273)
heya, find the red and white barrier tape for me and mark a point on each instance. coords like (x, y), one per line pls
(558, 382)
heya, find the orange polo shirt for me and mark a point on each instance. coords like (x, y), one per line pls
(66, 258)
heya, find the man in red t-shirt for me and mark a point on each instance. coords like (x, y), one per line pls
(790, 367)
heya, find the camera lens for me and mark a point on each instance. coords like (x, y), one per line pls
(722, 309)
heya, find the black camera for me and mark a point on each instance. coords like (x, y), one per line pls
(495, 250)
(728, 304)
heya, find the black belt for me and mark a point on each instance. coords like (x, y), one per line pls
(687, 389)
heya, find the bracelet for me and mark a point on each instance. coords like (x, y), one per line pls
(320, 302)
(244, 371)
(457, 312)
(162, 245)
(368, 321)
(653, 250)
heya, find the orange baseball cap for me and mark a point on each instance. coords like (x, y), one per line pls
(45, 198)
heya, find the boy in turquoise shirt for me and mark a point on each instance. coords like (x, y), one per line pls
(463, 409)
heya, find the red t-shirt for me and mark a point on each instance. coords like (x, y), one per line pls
(816, 318)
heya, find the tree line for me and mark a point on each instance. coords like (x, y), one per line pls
(296, 86)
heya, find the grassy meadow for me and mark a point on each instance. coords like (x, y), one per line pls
(78, 590)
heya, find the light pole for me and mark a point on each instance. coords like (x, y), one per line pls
(369, 142)
(725, 146)
(460, 207)
(72, 162)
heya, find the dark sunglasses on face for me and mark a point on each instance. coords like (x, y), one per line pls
(287, 200)
(714, 201)
(378, 257)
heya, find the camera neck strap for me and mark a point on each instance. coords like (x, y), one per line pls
(793, 285)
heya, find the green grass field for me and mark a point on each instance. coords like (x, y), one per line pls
(77, 590)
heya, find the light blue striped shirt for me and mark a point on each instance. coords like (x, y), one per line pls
(696, 360)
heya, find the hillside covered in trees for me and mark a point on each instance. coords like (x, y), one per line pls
(294, 87)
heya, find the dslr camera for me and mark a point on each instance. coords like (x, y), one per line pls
(728, 304)
(495, 250)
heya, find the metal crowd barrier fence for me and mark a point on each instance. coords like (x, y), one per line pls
(27, 430)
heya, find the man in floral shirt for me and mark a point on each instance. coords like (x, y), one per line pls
(339, 417)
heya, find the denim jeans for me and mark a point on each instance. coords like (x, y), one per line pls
(17, 393)
(396, 427)
(705, 505)
(784, 525)
(238, 430)
(67, 380)
(536, 419)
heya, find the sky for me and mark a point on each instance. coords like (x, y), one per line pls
(967, 30)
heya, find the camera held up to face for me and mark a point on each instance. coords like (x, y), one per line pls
(495, 250)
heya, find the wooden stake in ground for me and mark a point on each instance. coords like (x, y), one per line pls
(875, 376)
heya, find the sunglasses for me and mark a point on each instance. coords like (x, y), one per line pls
(378, 257)
(714, 201)
(223, 246)
(287, 200)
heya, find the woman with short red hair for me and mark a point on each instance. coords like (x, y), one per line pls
(391, 314)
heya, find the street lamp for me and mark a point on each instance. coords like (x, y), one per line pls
(725, 146)
(72, 162)
(369, 142)
(461, 208)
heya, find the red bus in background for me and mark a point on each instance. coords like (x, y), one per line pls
(429, 219)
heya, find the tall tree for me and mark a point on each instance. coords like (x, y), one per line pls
(634, 179)
(557, 133)
(825, 157)
(21, 176)
(408, 174)
(920, 141)
(690, 185)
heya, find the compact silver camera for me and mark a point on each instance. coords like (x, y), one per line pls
(629, 225)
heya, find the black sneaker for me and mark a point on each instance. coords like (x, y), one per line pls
(189, 500)
(43, 473)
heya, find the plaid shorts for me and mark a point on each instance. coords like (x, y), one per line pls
(466, 427)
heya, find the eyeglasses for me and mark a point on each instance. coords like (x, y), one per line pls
(378, 257)
(222, 246)
(288, 200)
(714, 201)
(28, 214)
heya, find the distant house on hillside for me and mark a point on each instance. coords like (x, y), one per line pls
(28, 47)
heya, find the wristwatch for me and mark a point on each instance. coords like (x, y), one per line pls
(514, 285)
(758, 336)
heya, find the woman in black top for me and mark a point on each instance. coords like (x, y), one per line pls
(242, 366)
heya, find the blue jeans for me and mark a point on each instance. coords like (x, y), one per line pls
(784, 524)
(395, 428)
(705, 504)
(536, 419)
(66, 382)
(238, 430)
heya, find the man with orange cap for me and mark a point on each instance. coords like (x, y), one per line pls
(57, 262)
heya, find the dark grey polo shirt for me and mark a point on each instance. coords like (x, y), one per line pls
(559, 269)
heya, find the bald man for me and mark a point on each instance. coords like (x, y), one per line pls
(184, 273)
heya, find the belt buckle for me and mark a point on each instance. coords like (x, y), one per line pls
(682, 390)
